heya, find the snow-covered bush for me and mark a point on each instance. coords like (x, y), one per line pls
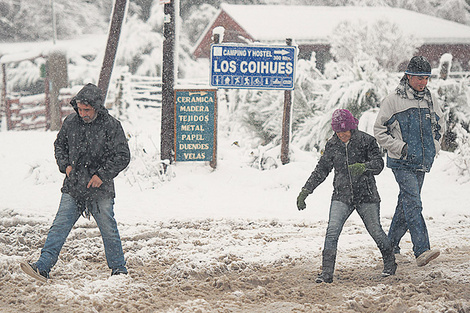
(24, 77)
(455, 101)
(454, 96)
(358, 87)
(254, 114)
(462, 153)
(358, 79)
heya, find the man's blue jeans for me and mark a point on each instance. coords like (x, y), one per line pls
(66, 217)
(370, 215)
(408, 213)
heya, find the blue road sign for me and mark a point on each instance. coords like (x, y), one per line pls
(253, 67)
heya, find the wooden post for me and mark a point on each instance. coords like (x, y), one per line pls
(3, 99)
(111, 46)
(47, 98)
(57, 78)
(168, 81)
(444, 73)
(285, 137)
(213, 163)
(8, 115)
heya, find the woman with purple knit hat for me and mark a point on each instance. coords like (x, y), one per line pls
(355, 157)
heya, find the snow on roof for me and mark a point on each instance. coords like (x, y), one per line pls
(316, 23)
(18, 57)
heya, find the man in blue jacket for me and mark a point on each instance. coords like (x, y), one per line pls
(410, 126)
(91, 149)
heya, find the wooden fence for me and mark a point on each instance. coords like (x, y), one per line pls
(143, 91)
(29, 113)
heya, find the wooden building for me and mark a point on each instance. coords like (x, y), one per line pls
(310, 27)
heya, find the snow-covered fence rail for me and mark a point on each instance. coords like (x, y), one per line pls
(457, 76)
(461, 76)
(143, 91)
(146, 91)
(28, 113)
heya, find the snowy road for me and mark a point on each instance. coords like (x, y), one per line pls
(229, 240)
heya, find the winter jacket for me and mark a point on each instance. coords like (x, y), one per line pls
(406, 120)
(349, 189)
(99, 147)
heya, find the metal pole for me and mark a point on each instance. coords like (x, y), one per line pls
(112, 45)
(168, 81)
(286, 121)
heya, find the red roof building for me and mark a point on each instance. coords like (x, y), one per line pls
(310, 27)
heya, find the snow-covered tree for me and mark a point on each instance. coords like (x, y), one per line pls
(454, 10)
(358, 87)
(382, 40)
(25, 77)
(462, 153)
(143, 53)
(455, 99)
(197, 21)
(32, 20)
(25, 20)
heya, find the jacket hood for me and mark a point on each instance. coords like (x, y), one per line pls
(92, 95)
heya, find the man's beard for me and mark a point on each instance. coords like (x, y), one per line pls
(88, 119)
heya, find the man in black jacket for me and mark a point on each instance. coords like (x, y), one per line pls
(355, 158)
(90, 149)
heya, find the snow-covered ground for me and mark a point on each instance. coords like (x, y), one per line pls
(224, 240)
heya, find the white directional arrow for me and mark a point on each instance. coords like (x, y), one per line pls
(201, 93)
(283, 52)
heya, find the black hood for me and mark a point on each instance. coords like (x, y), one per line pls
(92, 95)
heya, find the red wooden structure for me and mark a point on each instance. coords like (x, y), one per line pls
(29, 113)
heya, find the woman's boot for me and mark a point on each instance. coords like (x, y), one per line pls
(390, 266)
(328, 266)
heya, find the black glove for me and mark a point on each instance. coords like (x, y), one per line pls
(301, 199)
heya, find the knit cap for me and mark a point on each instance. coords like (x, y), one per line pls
(342, 120)
(418, 66)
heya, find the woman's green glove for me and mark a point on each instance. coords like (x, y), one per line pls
(301, 199)
(357, 169)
